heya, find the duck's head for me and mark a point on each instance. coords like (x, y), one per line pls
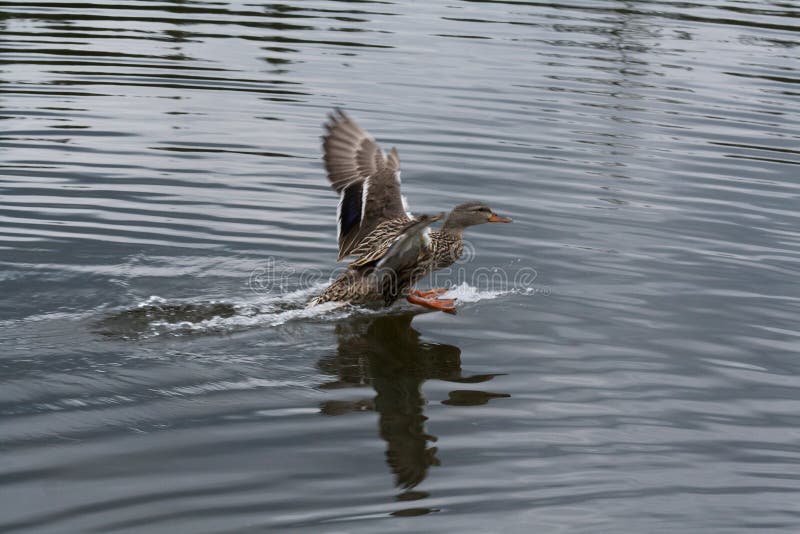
(470, 214)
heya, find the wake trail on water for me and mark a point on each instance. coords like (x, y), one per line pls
(159, 316)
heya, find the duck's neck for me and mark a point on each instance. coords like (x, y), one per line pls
(454, 233)
(452, 229)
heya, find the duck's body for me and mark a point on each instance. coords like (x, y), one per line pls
(395, 260)
(375, 226)
(446, 246)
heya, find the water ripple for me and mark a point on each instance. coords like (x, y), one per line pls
(643, 381)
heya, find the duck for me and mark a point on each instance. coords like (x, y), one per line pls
(383, 273)
(393, 249)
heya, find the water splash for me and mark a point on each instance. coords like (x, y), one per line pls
(467, 293)
(158, 316)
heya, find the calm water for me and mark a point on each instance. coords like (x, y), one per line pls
(632, 367)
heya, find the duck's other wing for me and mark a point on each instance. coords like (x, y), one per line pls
(396, 244)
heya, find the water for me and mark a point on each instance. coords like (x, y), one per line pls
(164, 216)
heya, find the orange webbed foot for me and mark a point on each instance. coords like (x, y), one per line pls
(445, 305)
(428, 293)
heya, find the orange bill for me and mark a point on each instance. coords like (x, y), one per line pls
(496, 218)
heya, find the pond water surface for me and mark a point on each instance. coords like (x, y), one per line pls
(625, 354)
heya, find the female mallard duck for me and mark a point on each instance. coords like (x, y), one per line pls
(375, 226)
(385, 270)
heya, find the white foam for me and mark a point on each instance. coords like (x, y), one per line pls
(261, 311)
(153, 300)
(467, 293)
(272, 310)
(265, 318)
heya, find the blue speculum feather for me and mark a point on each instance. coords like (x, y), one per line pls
(350, 214)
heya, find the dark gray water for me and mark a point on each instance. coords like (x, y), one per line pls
(625, 355)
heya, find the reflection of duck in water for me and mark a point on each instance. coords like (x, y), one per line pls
(373, 219)
(386, 353)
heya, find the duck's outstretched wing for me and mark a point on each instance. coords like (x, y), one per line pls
(368, 182)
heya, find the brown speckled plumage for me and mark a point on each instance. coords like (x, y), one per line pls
(447, 249)
(386, 270)
(374, 226)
